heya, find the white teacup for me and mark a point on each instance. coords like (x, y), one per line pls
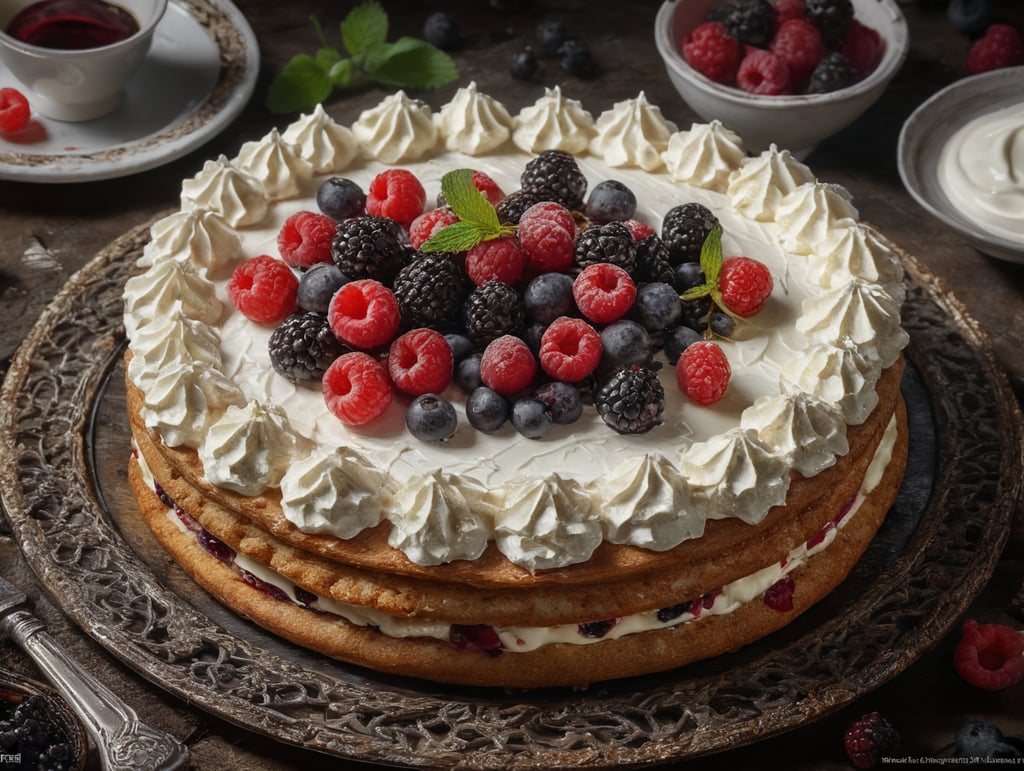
(82, 84)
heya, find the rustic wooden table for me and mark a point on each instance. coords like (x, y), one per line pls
(48, 231)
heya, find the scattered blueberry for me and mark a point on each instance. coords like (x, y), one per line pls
(677, 340)
(971, 17)
(525, 65)
(549, 296)
(551, 34)
(430, 418)
(531, 418)
(624, 342)
(563, 400)
(487, 410)
(722, 324)
(611, 201)
(461, 346)
(574, 56)
(981, 739)
(467, 373)
(318, 285)
(688, 275)
(340, 198)
(441, 30)
(657, 306)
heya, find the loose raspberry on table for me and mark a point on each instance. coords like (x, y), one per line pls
(14, 110)
(745, 284)
(508, 365)
(263, 289)
(396, 194)
(547, 234)
(869, 739)
(356, 389)
(364, 314)
(863, 47)
(305, 239)
(429, 224)
(763, 72)
(499, 259)
(990, 656)
(570, 349)
(800, 45)
(703, 372)
(420, 362)
(710, 50)
(603, 292)
(1000, 47)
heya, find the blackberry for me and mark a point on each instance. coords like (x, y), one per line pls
(831, 17)
(606, 243)
(632, 400)
(696, 313)
(303, 347)
(369, 247)
(832, 73)
(492, 310)
(684, 229)
(574, 56)
(442, 30)
(512, 206)
(430, 290)
(555, 176)
(752, 22)
(525, 65)
(652, 261)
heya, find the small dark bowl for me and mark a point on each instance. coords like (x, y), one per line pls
(14, 689)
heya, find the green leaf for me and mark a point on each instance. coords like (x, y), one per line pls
(468, 203)
(341, 73)
(327, 57)
(711, 255)
(410, 63)
(696, 292)
(364, 27)
(302, 84)
(458, 237)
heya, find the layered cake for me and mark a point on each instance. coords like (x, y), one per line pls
(575, 525)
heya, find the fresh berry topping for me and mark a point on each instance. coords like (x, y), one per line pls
(603, 292)
(990, 656)
(570, 349)
(652, 261)
(318, 285)
(563, 400)
(575, 58)
(696, 313)
(980, 739)
(625, 342)
(703, 373)
(640, 230)
(507, 365)
(356, 389)
(305, 239)
(632, 400)
(688, 275)
(14, 110)
(442, 30)
(555, 176)
(486, 185)
(677, 340)
(499, 259)
(862, 48)
(473, 637)
(713, 52)
(429, 224)
(369, 247)
(487, 410)
(549, 296)
(551, 33)
(721, 325)
(263, 289)
(751, 22)
(786, 10)
(971, 17)
(657, 306)
(420, 362)
(832, 73)
(431, 418)
(493, 310)
(525, 65)
(340, 198)
(396, 194)
(745, 284)
(1000, 47)
(547, 234)
(597, 629)
(530, 417)
(762, 72)
(513, 206)
(467, 373)
(461, 345)
(610, 201)
(870, 739)
(430, 290)
(799, 44)
(303, 346)
(611, 243)
(684, 229)
(831, 17)
(779, 596)
(364, 314)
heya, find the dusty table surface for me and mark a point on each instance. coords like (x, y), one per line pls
(48, 231)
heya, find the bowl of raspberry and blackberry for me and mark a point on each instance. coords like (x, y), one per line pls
(783, 72)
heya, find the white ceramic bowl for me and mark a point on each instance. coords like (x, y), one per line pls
(927, 131)
(796, 123)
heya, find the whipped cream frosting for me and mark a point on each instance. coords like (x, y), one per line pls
(705, 156)
(632, 133)
(810, 431)
(841, 375)
(811, 213)
(276, 163)
(474, 122)
(170, 287)
(553, 122)
(859, 252)
(759, 184)
(201, 237)
(227, 189)
(326, 145)
(397, 130)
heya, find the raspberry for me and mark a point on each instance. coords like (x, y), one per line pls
(745, 284)
(570, 349)
(507, 365)
(990, 656)
(603, 292)
(14, 110)
(305, 239)
(397, 195)
(862, 47)
(1000, 47)
(547, 234)
(429, 224)
(640, 230)
(800, 45)
(499, 259)
(710, 50)
(420, 362)
(786, 10)
(488, 187)
(263, 289)
(356, 389)
(762, 72)
(869, 739)
(364, 314)
(703, 372)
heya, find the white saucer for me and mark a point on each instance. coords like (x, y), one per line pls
(199, 74)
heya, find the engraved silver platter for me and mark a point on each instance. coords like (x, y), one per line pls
(63, 453)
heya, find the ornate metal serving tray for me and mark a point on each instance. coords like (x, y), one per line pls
(63, 453)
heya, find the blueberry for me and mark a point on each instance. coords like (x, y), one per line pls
(549, 296)
(977, 738)
(467, 373)
(525, 65)
(971, 17)
(688, 275)
(487, 410)
(624, 342)
(441, 30)
(677, 340)
(431, 419)
(531, 418)
(551, 34)
(611, 201)
(318, 285)
(563, 401)
(657, 306)
(574, 56)
(461, 346)
(340, 198)
(722, 324)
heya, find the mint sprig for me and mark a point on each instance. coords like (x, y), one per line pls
(711, 265)
(306, 81)
(478, 219)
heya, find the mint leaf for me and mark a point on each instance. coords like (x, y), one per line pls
(468, 203)
(711, 255)
(341, 73)
(327, 57)
(458, 237)
(412, 63)
(302, 83)
(364, 27)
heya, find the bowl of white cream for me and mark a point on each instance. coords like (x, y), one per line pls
(961, 156)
